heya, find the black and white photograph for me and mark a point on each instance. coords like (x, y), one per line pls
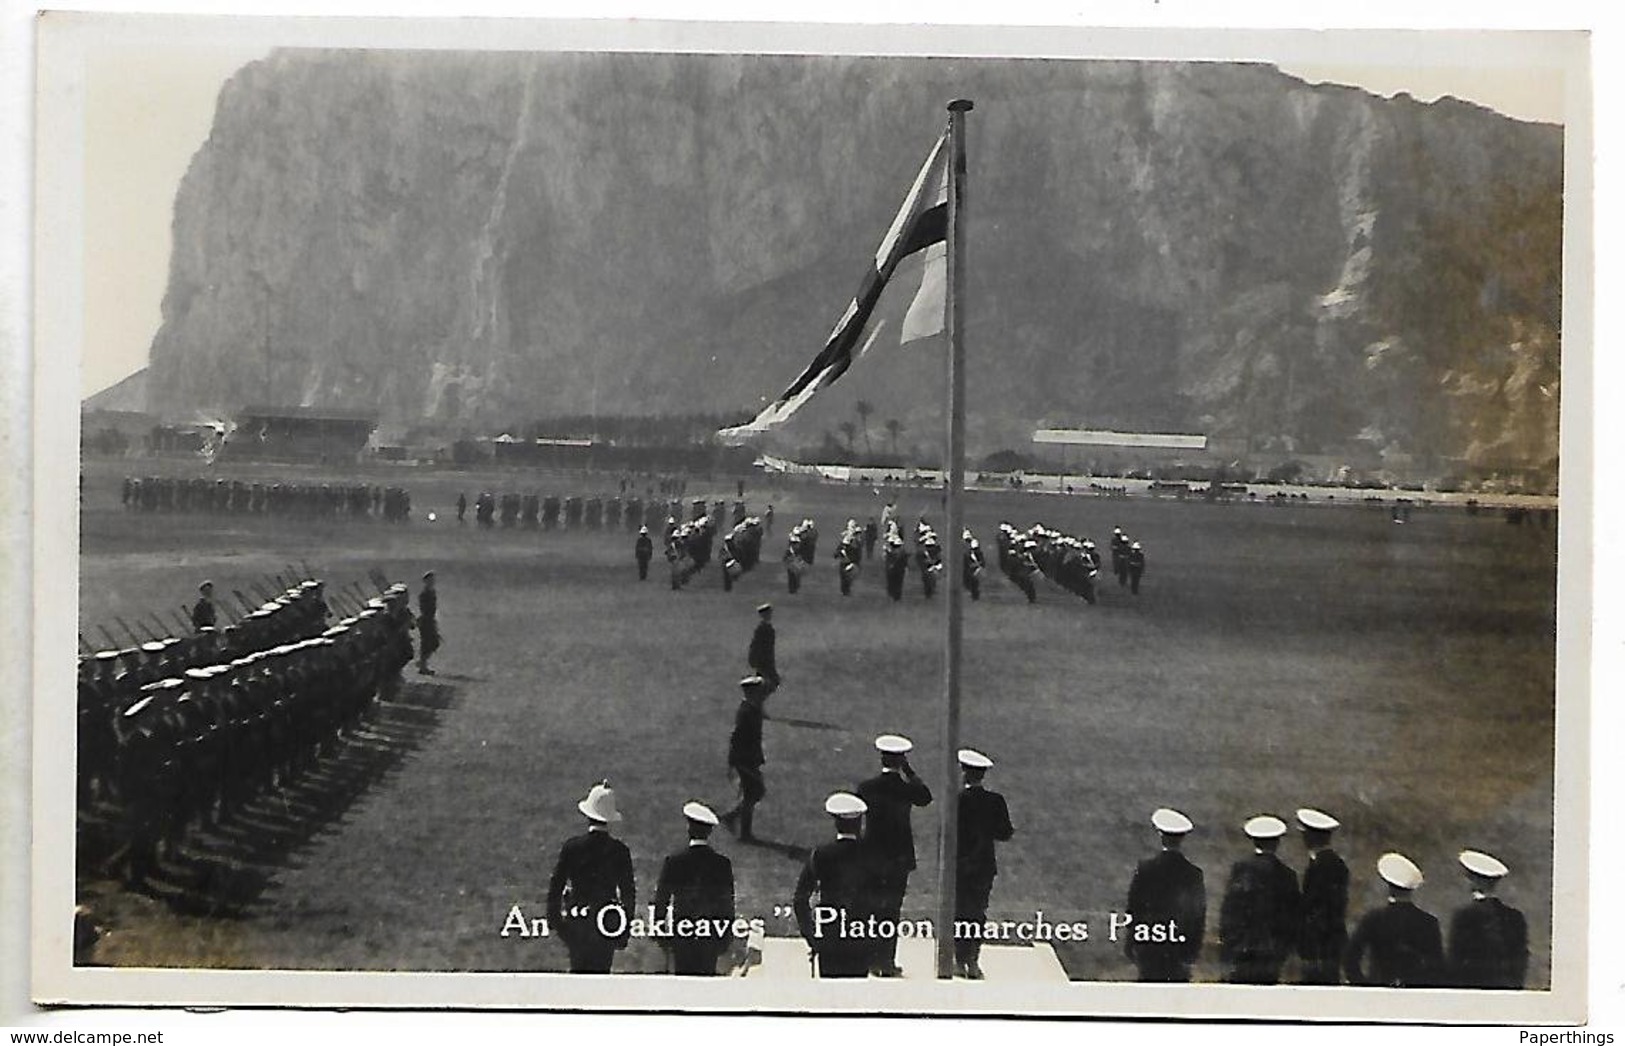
(629, 516)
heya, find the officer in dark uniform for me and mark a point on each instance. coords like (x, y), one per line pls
(593, 878)
(203, 611)
(1397, 945)
(1258, 918)
(840, 874)
(1489, 941)
(1135, 564)
(428, 626)
(696, 883)
(890, 797)
(1168, 889)
(745, 758)
(1323, 932)
(643, 550)
(762, 656)
(984, 822)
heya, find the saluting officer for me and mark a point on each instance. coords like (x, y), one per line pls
(1400, 940)
(1323, 933)
(745, 758)
(643, 550)
(984, 822)
(203, 611)
(593, 878)
(890, 797)
(1489, 941)
(840, 873)
(697, 883)
(1168, 890)
(1258, 918)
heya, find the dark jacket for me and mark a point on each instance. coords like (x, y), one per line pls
(1168, 887)
(1258, 918)
(1323, 932)
(1489, 946)
(888, 826)
(745, 744)
(594, 871)
(1403, 945)
(697, 883)
(203, 614)
(762, 658)
(984, 820)
(644, 547)
(840, 873)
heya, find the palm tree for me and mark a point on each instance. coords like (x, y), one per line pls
(894, 428)
(864, 408)
(850, 431)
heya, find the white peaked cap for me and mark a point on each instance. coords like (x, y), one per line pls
(845, 804)
(1318, 820)
(975, 760)
(1264, 827)
(1480, 863)
(895, 744)
(699, 813)
(600, 804)
(1399, 870)
(1170, 822)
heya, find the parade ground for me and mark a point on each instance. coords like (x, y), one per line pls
(1399, 675)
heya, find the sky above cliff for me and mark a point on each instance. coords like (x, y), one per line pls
(149, 102)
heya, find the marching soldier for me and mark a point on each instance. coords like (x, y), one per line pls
(1168, 890)
(1323, 934)
(839, 872)
(984, 822)
(1119, 547)
(593, 878)
(745, 758)
(697, 883)
(1135, 564)
(1489, 941)
(1258, 919)
(1397, 945)
(890, 797)
(762, 656)
(428, 626)
(203, 611)
(643, 550)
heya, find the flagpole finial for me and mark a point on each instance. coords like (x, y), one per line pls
(961, 105)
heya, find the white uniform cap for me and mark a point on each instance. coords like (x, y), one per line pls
(752, 681)
(1399, 870)
(699, 813)
(895, 744)
(1264, 827)
(845, 804)
(600, 804)
(197, 673)
(1317, 820)
(1170, 822)
(107, 655)
(152, 647)
(1482, 864)
(975, 760)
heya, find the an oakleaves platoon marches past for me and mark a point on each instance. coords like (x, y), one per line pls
(1167, 890)
(428, 623)
(696, 883)
(593, 875)
(1258, 918)
(1323, 936)
(1397, 945)
(1489, 941)
(763, 654)
(840, 875)
(745, 757)
(643, 550)
(891, 797)
(984, 822)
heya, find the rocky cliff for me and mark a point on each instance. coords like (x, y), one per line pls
(486, 238)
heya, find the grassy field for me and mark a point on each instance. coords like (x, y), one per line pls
(1399, 676)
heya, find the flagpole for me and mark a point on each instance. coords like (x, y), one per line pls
(947, 886)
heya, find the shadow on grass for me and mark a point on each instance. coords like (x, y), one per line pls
(806, 724)
(222, 870)
(799, 854)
